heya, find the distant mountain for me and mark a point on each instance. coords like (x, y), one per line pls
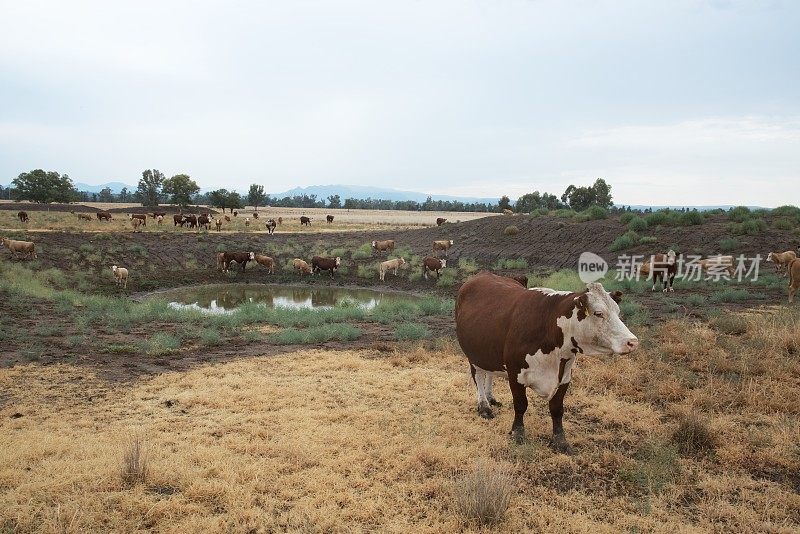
(116, 187)
(366, 191)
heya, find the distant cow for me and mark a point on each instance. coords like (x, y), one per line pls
(22, 216)
(280, 220)
(718, 264)
(663, 267)
(160, 220)
(156, 214)
(271, 225)
(239, 257)
(84, 217)
(266, 261)
(386, 245)
(319, 264)
(204, 221)
(782, 260)
(103, 216)
(235, 213)
(220, 256)
(305, 221)
(329, 218)
(177, 219)
(443, 245)
(301, 266)
(390, 265)
(227, 218)
(141, 217)
(440, 221)
(532, 338)
(191, 220)
(27, 248)
(255, 215)
(218, 223)
(434, 265)
(507, 211)
(136, 223)
(522, 279)
(247, 221)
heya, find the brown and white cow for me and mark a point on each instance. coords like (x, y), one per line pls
(301, 266)
(386, 245)
(204, 221)
(141, 216)
(239, 257)
(266, 261)
(434, 265)
(532, 337)
(782, 260)
(22, 216)
(103, 216)
(442, 245)
(440, 221)
(271, 224)
(305, 221)
(329, 218)
(319, 264)
(662, 267)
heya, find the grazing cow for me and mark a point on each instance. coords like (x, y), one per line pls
(204, 221)
(718, 264)
(27, 248)
(141, 217)
(319, 264)
(271, 226)
(662, 267)
(794, 278)
(507, 211)
(220, 261)
(157, 214)
(280, 220)
(386, 245)
(247, 221)
(218, 222)
(782, 260)
(177, 219)
(235, 213)
(522, 279)
(84, 217)
(301, 266)
(103, 216)
(239, 257)
(442, 245)
(255, 215)
(440, 221)
(227, 218)
(160, 220)
(191, 220)
(329, 218)
(532, 337)
(22, 216)
(120, 275)
(136, 223)
(305, 221)
(266, 261)
(434, 265)
(390, 265)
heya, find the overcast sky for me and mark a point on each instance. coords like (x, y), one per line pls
(683, 102)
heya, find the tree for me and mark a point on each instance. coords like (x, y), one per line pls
(256, 196)
(334, 201)
(504, 204)
(602, 193)
(124, 195)
(180, 189)
(234, 201)
(581, 198)
(219, 199)
(106, 195)
(43, 186)
(150, 187)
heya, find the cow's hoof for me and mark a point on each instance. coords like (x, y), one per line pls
(518, 435)
(494, 402)
(560, 445)
(671, 290)
(485, 412)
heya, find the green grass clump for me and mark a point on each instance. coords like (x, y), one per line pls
(728, 244)
(367, 271)
(436, 306)
(511, 263)
(363, 252)
(627, 217)
(411, 331)
(563, 280)
(633, 313)
(734, 325)
(748, 227)
(511, 230)
(161, 344)
(210, 337)
(730, 295)
(695, 300)
(637, 224)
(594, 213)
(694, 436)
(784, 223)
(740, 214)
(656, 467)
(468, 266)
(627, 240)
(316, 334)
(565, 213)
(447, 278)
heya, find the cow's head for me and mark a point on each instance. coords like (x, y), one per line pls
(252, 255)
(338, 261)
(114, 268)
(402, 261)
(597, 328)
(671, 257)
(771, 256)
(451, 242)
(444, 263)
(374, 244)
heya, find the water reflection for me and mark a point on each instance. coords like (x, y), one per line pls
(224, 298)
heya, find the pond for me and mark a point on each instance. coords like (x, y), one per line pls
(224, 298)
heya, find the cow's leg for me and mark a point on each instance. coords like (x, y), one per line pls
(556, 414)
(520, 406)
(425, 273)
(488, 379)
(479, 379)
(672, 283)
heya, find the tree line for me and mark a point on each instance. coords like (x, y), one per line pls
(154, 188)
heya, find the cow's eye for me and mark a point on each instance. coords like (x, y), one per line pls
(598, 314)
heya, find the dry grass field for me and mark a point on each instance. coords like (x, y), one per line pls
(696, 432)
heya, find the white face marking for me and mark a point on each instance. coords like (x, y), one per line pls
(602, 331)
(548, 291)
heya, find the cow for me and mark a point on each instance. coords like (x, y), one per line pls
(160, 220)
(103, 216)
(718, 264)
(177, 219)
(141, 217)
(28, 248)
(301, 266)
(271, 226)
(266, 261)
(227, 218)
(239, 257)
(255, 215)
(782, 260)
(84, 217)
(794, 278)
(329, 218)
(280, 220)
(532, 337)
(440, 221)
(191, 220)
(434, 265)
(235, 213)
(305, 221)
(22, 216)
(522, 279)
(442, 245)
(390, 265)
(204, 221)
(157, 214)
(136, 223)
(218, 223)
(386, 245)
(507, 211)
(220, 256)
(663, 267)
(319, 264)
(247, 221)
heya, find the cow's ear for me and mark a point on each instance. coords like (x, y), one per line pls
(582, 305)
(616, 296)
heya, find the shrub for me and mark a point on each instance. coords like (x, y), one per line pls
(787, 211)
(748, 227)
(467, 265)
(627, 217)
(690, 218)
(783, 223)
(447, 278)
(482, 495)
(539, 212)
(411, 331)
(363, 252)
(693, 436)
(734, 325)
(656, 218)
(728, 244)
(730, 295)
(739, 214)
(565, 213)
(509, 263)
(695, 300)
(627, 240)
(210, 337)
(134, 463)
(595, 213)
(316, 334)
(656, 466)
(637, 224)
(511, 230)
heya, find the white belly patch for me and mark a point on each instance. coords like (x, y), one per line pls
(542, 373)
